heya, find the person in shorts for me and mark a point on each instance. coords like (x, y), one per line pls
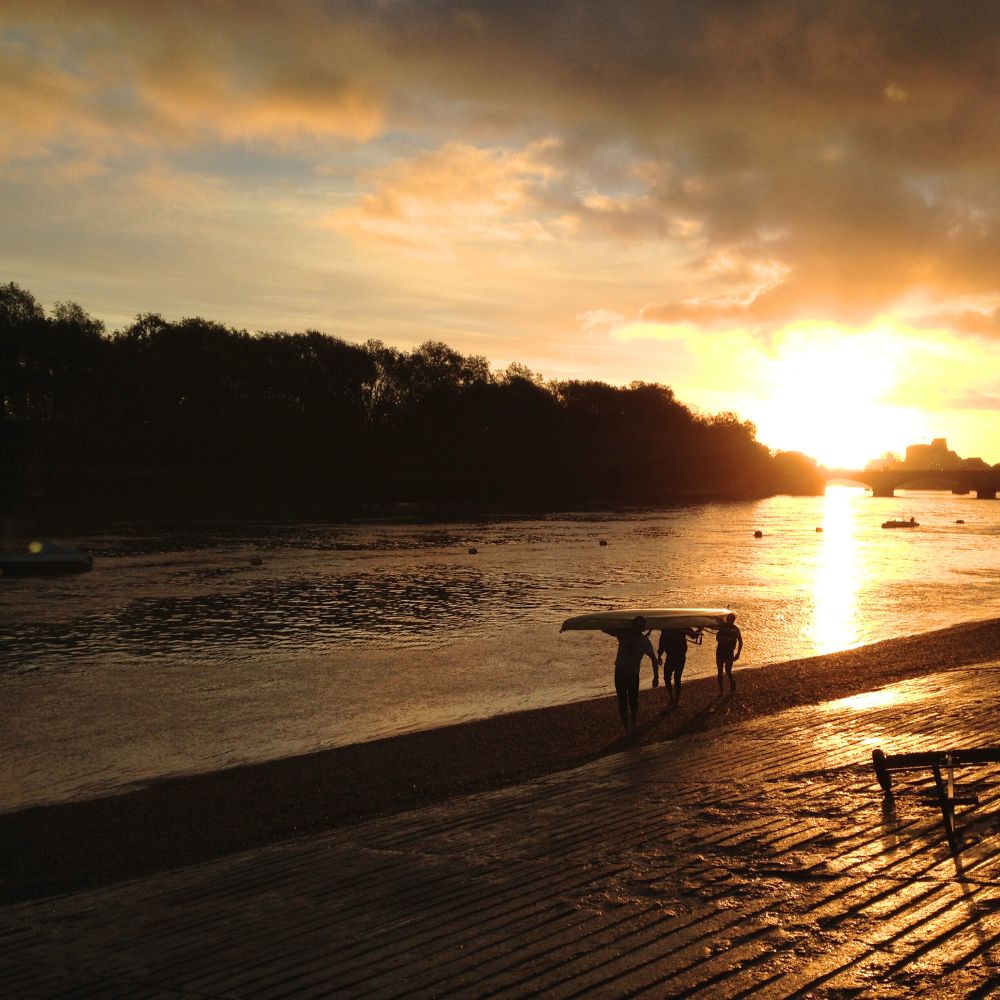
(673, 648)
(729, 641)
(633, 645)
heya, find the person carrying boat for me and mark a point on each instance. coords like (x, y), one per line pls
(729, 641)
(633, 644)
(673, 648)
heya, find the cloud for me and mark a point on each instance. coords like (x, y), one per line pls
(34, 101)
(600, 322)
(974, 401)
(864, 135)
(851, 147)
(842, 157)
(186, 72)
(455, 193)
(978, 323)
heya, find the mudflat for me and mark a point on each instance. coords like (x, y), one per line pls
(184, 820)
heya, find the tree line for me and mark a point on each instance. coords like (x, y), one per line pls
(192, 415)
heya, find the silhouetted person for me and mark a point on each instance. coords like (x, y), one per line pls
(730, 645)
(673, 646)
(632, 646)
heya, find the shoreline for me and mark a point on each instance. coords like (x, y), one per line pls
(175, 822)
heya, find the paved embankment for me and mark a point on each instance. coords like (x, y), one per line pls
(756, 859)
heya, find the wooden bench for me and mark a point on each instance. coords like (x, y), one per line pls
(945, 797)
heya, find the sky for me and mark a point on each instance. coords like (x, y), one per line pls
(787, 210)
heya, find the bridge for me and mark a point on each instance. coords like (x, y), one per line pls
(884, 482)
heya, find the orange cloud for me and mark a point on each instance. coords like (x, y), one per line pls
(456, 193)
(34, 101)
(189, 71)
(841, 157)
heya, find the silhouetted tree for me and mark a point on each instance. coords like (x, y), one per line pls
(193, 413)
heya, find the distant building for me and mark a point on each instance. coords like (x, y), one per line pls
(937, 455)
(933, 457)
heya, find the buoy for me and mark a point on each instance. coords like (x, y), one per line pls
(256, 561)
(602, 542)
(473, 552)
(819, 529)
(960, 521)
(758, 534)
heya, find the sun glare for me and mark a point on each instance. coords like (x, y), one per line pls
(826, 392)
(838, 580)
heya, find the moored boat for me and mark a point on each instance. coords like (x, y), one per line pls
(41, 558)
(901, 524)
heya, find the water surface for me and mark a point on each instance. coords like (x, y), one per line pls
(230, 642)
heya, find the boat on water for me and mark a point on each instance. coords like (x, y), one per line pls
(41, 558)
(656, 618)
(901, 524)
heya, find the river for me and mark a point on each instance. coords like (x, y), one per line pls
(188, 650)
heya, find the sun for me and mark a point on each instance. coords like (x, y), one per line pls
(826, 392)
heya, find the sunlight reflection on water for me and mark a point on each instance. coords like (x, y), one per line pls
(838, 576)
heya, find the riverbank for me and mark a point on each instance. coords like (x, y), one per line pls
(181, 821)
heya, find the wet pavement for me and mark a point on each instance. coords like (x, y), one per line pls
(755, 860)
